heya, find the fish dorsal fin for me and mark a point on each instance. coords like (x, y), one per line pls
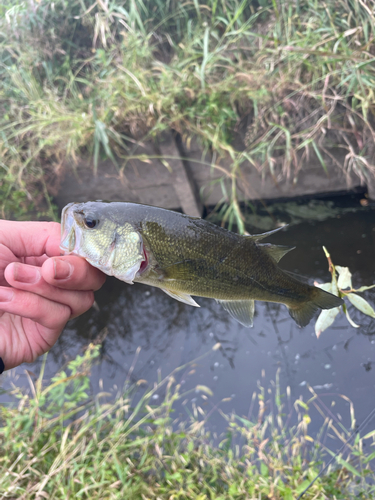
(277, 252)
(241, 310)
(261, 236)
(182, 297)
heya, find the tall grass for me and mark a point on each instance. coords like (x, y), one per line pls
(290, 79)
(61, 442)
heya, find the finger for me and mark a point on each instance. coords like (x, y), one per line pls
(29, 278)
(31, 238)
(6, 256)
(47, 313)
(72, 272)
(36, 261)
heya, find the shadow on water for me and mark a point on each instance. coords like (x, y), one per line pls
(170, 333)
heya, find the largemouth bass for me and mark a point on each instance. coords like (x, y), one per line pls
(187, 256)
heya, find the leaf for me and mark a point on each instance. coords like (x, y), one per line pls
(299, 402)
(347, 465)
(167, 165)
(326, 318)
(320, 157)
(203, 388)
(354, 325)
(264, 469)
(369, 458)
(364, 288)
(370, 434)
(327, 287)
(345, 278)
(361, 304)
(326, 252)
(300, 488)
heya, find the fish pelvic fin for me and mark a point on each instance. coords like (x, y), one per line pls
(303, 313)
(181, 297)
(277, 252)
(240, 310)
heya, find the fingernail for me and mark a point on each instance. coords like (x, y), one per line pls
(26, 274)
(6, 294)
(63, 269)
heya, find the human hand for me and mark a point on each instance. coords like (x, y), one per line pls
(38, 294)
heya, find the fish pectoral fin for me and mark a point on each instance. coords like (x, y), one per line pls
(182, 297)
(241, 310)
(277, 252)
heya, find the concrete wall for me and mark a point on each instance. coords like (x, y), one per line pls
(182, 177)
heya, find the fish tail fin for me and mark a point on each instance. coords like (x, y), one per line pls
(320, 299)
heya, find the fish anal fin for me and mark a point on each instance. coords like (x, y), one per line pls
(181, 297)
(303, 314)
(240, 310)
(277, 252)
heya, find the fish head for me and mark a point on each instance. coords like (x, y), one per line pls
(92, 233)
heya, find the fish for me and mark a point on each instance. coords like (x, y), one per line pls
(188, 257)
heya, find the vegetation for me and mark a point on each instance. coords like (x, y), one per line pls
(78, 78)
(341, 286)
(61, 443)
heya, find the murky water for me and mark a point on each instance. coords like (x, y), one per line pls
(170, 333)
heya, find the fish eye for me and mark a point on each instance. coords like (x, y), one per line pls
(90, 223)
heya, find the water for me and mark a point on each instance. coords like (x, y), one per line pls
(341, 362)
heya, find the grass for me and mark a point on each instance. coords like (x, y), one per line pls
(289, 79)
(62, 442)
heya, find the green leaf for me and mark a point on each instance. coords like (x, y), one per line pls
(176, 476)
(300, 488)
(301, 403)
(288, 494)
(345, 278)
(264, 469)
(326, 318)
(361, 304)
(369, 458)
(320, 157)
(233, 490)
(347, 465)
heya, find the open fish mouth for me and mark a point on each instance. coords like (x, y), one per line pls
(69, 236)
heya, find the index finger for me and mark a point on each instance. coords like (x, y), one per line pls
(31, 238)
(73, 273)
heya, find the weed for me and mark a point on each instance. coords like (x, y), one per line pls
(290, 79)
(61, 442)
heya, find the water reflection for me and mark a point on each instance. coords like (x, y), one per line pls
(171, 333)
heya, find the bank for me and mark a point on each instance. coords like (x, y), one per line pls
(265, 99)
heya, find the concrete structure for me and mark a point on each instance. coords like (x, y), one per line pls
(166, 174)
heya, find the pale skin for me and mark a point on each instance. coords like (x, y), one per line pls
(39, 289)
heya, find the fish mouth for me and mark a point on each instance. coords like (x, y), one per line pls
(69, 236)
